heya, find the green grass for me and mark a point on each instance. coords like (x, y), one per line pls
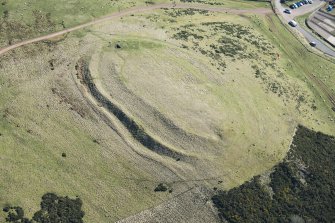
(236, 97)
(37, 126)
(30, 18)
(24, 19)
(237, 4)
(302, 19)
(297, 59)
(233, 107)
(299, 188)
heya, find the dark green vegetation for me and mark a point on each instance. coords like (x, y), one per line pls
(301, 188)
(12, 30)
(225, 42)
(136, 130)
(232, 41)
(53, 209)
(161, 187)
(184, 12)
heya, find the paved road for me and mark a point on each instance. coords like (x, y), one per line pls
(324, 25)
(306, 33)
(132, 11)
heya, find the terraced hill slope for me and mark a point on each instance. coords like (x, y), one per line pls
(174, 99)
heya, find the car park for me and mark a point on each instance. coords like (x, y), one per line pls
(301, 3)
(293, 6)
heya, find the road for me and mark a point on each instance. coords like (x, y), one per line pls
(320, 45)
(132, 11)
(306, 33)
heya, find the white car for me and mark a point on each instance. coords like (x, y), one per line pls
(287, 11)
(293, 23)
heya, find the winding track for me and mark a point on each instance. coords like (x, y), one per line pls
(132, 11)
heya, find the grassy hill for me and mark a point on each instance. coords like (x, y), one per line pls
(225, 90)
(24, 19)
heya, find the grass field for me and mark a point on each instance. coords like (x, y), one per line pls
(225, 90)
(24, 19)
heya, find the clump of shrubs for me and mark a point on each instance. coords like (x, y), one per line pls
(301, 186)
(53, 209)
(161, 188)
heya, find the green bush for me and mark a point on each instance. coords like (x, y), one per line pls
(54, 209)
(302, 186)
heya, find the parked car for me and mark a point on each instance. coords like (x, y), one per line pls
(310, 1)
(313, 44)
(287, 11)
(293, 23)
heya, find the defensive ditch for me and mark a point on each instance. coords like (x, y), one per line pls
(136, 130)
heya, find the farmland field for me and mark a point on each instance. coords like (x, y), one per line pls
(144, 114)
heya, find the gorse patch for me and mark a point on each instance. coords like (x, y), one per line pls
(184, 12)
(301, 187)
(227, 42)
(224, 41)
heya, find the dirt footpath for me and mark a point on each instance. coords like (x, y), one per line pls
(132, 11)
